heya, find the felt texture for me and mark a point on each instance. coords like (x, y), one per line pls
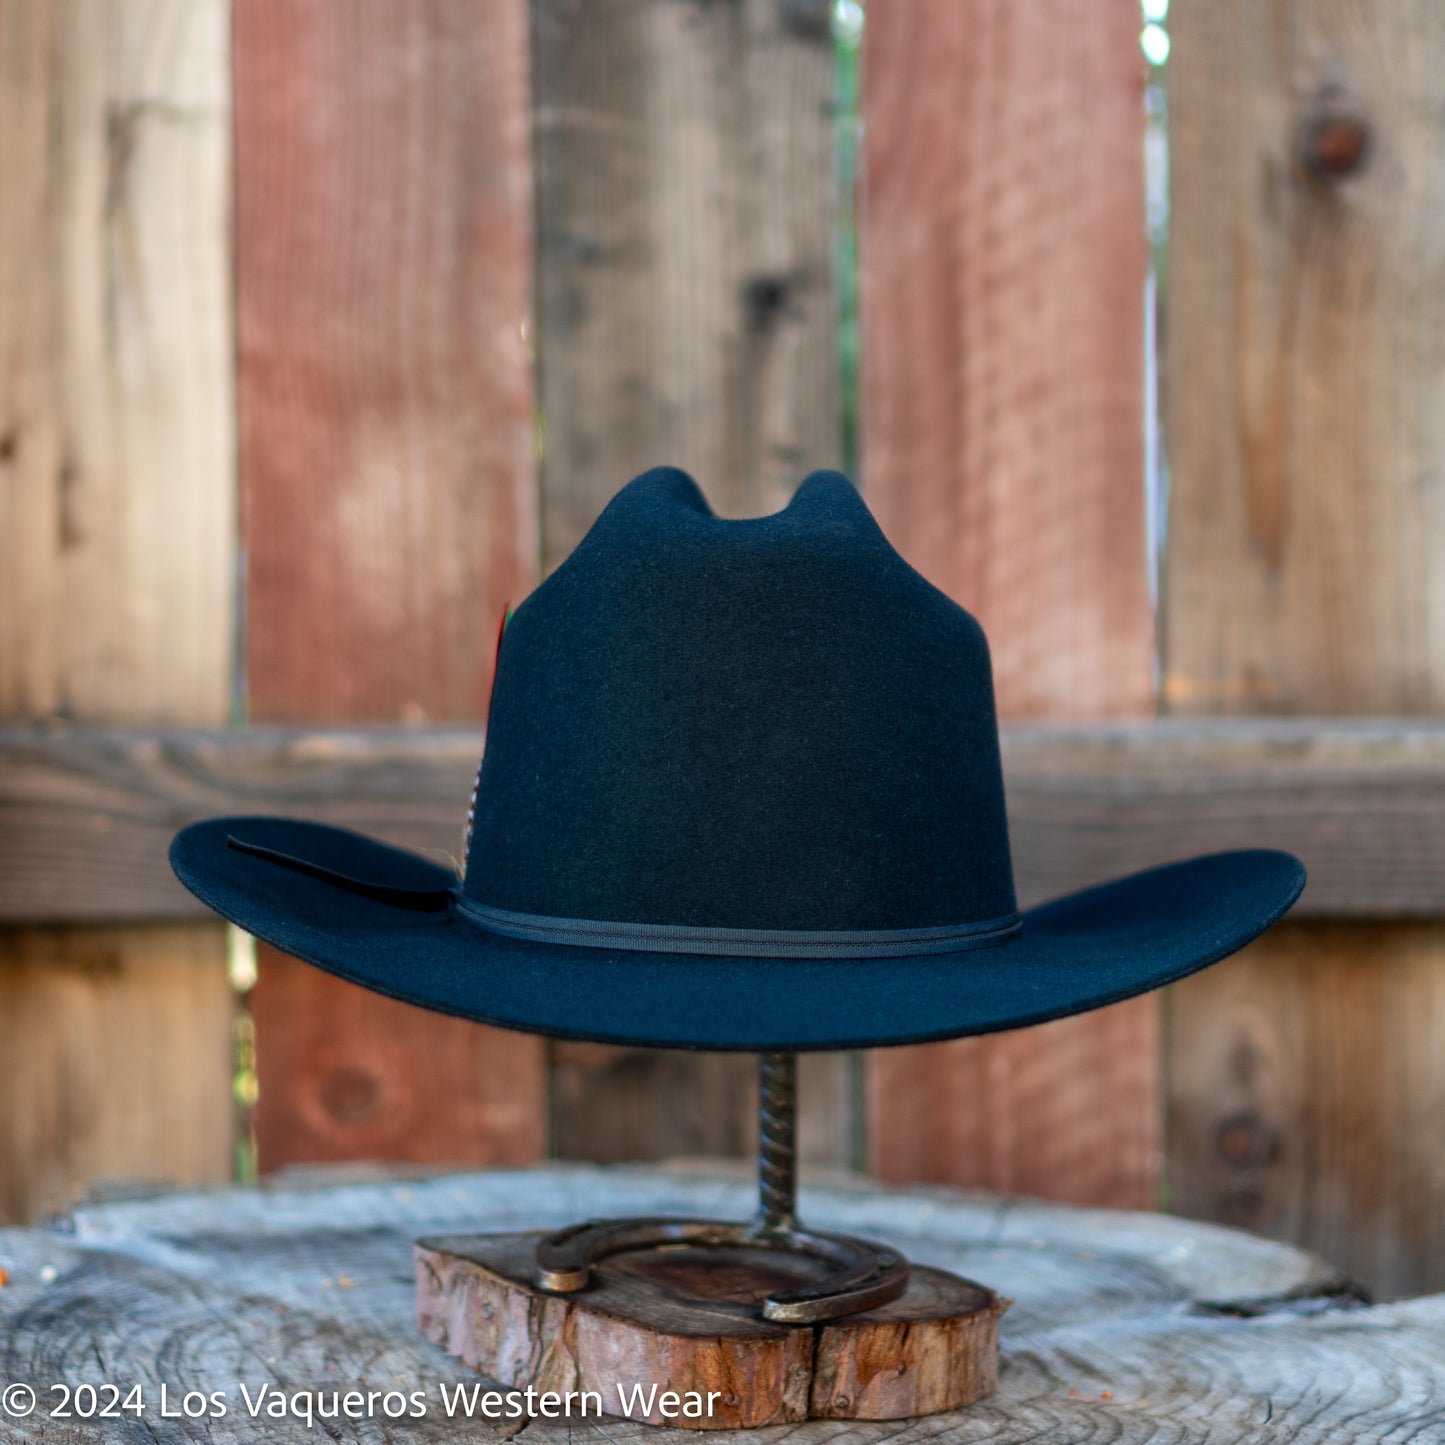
(763, 724)
(773, 723)
(1076, 953)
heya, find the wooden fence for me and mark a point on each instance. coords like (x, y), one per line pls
(326, 328)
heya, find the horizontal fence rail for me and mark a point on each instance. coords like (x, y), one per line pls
(87, 813)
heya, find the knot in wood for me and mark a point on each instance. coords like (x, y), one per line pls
(765, 298)
(1334, 135)
(350, 1095)
(1245, 1141)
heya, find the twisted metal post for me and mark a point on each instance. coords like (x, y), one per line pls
(777, 1144)
(856, 1274)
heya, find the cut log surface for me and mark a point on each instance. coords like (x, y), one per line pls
(1125, 1327)
(684, 1321)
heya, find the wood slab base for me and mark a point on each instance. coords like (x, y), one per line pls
(684, 1319)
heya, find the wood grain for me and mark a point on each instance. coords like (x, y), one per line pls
(86, 816)
(383, 288)
(612, 1105)
(1125, 1327)
(117, 1063)
(686, 314)
(1003, 263)
(401, 1083)
(1354, 798)
(1020, 1112)
(117, 497)
(1304, 1104)
(475, 1301)
(935, 1350)
(1003, 267)
(670, 1103)
(117, 432)
(685, 204)
(1306, 362)
(685, 1321)
(1306, 359)
(383, 270)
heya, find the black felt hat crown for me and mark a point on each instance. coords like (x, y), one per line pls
(740, 789)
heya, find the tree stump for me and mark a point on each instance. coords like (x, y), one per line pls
(673, 1336)
(1131, 1328)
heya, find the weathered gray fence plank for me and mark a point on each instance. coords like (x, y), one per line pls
(685, 212)
(86, 814)
(685, 314)
(1127, 1327)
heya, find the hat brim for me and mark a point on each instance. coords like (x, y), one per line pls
(1076, 953)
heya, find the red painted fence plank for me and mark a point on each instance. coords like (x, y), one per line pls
(1004, 261)
(383, 296)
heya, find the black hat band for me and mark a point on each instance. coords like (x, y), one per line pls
(659, 937)
(739, 942)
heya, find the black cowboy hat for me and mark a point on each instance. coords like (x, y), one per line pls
(740, 790)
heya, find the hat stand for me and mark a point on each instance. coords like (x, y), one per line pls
(766, 1320)
(859, 1275)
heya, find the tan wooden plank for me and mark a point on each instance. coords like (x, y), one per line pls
(1003, 267)
(383, 300)
(114, 1061)
(1306, 360)
(1305, 1097)
(117, 443)
(117, 497)
(686, 314)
